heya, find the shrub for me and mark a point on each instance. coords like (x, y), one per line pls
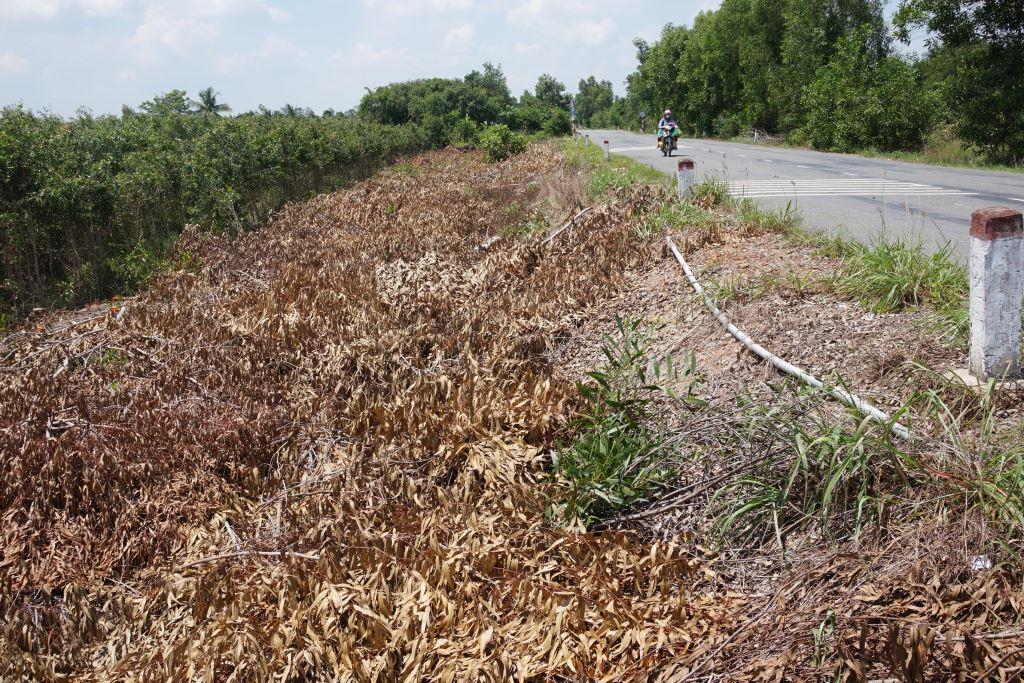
(83, 200)
(500, 143)
(465, 133)
(618, 455)
(557, 123)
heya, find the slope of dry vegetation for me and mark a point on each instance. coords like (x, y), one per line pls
(317, 452)
(350, 446)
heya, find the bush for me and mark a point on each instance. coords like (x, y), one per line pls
(465, 133)
(500, 143)
(557, 123)
(87, 204)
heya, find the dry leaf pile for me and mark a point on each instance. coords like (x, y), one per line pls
(318, 451)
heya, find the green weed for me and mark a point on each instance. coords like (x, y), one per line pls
(892, 275)
(618, 456)
(710, 193)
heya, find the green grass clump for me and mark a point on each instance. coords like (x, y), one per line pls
(617, 456)
(892, 275)
(783, 221)
(674, 215)
(710, 193)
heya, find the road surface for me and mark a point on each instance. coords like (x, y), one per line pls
(842, 194)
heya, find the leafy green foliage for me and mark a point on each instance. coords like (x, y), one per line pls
(551, 93)
(86, 203)
(499, 142)
(858, 101)
(981, 46)
(592, 98)
(617, 456)
(438, 105)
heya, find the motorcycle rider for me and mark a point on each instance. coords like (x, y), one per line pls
(667, 120)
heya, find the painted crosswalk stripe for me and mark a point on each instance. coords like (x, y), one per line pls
(835, 187)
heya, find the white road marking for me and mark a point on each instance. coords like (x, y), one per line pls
(741, 155)
(768, 161)
(854, 187)
(799, 166)
(845, 173)
(1015, 199)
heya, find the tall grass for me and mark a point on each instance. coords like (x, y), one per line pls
(830, 472)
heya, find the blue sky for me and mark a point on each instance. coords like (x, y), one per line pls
(63, 54)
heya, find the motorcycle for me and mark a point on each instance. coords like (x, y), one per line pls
(667, 139)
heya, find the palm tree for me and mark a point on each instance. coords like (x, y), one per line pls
(208, 104)
(290, 110)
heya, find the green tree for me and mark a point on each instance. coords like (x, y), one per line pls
(173, 102)
(592, 98)
(208, 104)
(860, 100)
(983, 44)
(550, 92)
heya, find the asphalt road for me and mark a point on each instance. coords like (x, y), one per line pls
(843, 194)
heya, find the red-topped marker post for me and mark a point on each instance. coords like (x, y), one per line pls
(684, 178)
(997, 288)
(607, 151)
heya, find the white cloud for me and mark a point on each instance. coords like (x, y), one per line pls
(15, 10)
(458, 37)
(161, 30)
(224, 8)
(407, 7)
(11, 63)
(526, 48)
(102, 6)
(364, 55)
(593, 32)
(45, 10)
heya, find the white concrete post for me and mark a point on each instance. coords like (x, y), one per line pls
(997, 288)
(684, 178)
(587, 138)
(607, 151)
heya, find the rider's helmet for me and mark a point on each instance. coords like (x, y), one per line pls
(668, 112)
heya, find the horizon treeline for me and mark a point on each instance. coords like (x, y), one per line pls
(827, 73)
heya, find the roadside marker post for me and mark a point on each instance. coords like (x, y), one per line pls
(607, 151)
(997, 289)
(587, 138)
(684, 178)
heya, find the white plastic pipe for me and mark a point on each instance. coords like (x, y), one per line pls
(845, 397)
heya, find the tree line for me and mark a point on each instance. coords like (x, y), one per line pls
(831, 74)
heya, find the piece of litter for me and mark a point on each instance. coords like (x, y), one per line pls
(981, 563)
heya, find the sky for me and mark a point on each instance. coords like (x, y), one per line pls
(100, 54)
